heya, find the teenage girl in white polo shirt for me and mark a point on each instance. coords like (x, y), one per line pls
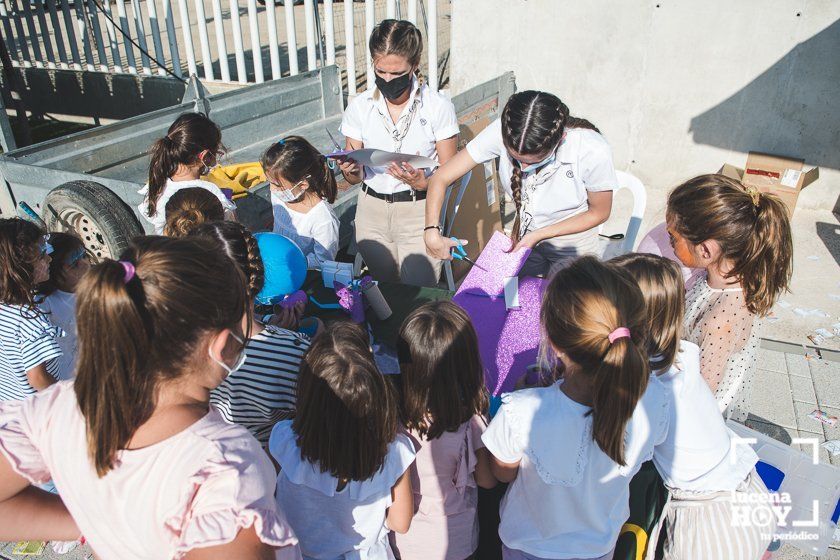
(401, 114)
(558, 169)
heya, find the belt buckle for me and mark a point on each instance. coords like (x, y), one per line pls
(389, 198)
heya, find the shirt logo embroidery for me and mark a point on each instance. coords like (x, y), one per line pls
(569, 174)
(423, 122)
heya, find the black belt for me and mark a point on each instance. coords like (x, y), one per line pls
(402, 196)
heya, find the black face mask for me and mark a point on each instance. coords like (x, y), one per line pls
(395, 88)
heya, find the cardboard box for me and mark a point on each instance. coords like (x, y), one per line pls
(778, 175)
(479, 213)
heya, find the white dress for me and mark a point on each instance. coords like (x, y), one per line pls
(718, 321)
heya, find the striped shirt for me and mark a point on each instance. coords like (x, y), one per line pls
(262, 391)
(27, 339)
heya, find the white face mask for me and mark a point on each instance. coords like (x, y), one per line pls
(239, 361)
(292, 194)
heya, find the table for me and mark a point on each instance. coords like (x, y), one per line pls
(402, 298)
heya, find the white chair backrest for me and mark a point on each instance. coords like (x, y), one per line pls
(635, 186)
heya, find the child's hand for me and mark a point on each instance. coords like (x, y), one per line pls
(287, 317)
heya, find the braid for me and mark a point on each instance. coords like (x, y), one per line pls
(516, 190)
(256, 269)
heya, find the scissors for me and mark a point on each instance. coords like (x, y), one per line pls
(337, 147)
(460, 254)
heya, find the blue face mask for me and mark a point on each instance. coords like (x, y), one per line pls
(534, 166)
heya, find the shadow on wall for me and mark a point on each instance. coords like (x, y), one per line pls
(790, 109)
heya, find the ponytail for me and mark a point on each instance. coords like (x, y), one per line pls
(533, 123)
(583, 306)
(187, 137)
(618, 383)
(751, 228)
(141, 322)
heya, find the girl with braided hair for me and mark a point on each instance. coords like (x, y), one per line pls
(557, 169)
(261, 392)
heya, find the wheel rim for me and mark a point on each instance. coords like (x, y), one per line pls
(80, 224)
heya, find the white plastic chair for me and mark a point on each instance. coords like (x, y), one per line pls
(635, 186)
(446, 221)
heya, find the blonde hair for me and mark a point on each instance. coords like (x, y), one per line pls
(583, 305)
(751, 228)
(661, 283)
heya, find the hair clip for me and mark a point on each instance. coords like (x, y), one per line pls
(281, 142)
(129, 271)
(755, 194)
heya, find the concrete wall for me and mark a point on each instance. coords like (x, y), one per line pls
(677, 87)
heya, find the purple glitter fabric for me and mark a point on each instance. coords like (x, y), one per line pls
(497, 265)
(508, 340)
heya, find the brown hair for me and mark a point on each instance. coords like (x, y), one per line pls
(442, 374)
(397, 37)
(64, 246)
(189, 208)
(238, 243)
(583, 304)
(136, 334)
(346, 410)
(661, 283)
(533, 123)
(189, 135)
(295, 159)
(752, 230)
(19, 250)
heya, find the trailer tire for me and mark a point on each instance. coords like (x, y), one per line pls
(93, 212)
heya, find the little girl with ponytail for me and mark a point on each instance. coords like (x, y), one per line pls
(190, 148)
(303, 189)
(570, 449)
(558, 170)
(742, 239)
(144, 466)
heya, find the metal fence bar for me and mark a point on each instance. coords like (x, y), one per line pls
(330, 30)
(155, 29)
(81, 24)
(273, 47)
(412, 11)
(59, 36)
(11, 40)
(141, 36)
(45, 34)
(431, 35)
(71, 36)
(204, 41)
(236, 32)
(168, 16)
(309, 18)
(291, 38)
(390, 9)
(33, 34)
(221, 45)
(25, 59)
(349, 48)
(97, 36)
(126, 33)
(112, 38)
(256, 47)
(370, 18)
(188, 43)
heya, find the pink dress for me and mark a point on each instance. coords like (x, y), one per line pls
(445, 526)
(195, 489)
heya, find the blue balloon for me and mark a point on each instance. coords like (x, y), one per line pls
(285, 267)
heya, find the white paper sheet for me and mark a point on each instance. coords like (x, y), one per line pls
(381, 158)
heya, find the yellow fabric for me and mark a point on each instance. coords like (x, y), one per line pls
(238, 177)
(641, 538)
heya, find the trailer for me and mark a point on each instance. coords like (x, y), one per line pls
(88, 182)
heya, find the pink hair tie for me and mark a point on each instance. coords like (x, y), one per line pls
(129, 271)
(620, 332)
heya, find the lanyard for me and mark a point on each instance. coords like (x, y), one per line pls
(398, 132)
